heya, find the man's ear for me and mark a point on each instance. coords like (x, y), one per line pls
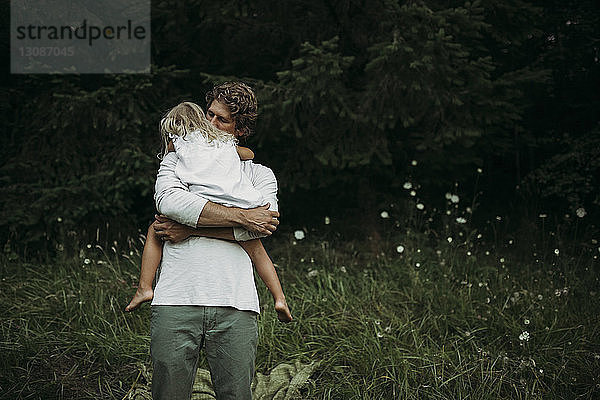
(242, 133)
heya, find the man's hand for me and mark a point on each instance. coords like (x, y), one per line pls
(259, 219)
(170, 231)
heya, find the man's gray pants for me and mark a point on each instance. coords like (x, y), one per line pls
(177, 335)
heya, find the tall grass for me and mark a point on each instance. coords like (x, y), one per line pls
(476, 316)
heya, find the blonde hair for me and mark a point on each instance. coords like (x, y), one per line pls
(185, 118)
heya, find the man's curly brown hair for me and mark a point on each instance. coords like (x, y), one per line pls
(241, 101)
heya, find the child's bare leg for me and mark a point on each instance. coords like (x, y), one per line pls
(266, 271)
(150, 261)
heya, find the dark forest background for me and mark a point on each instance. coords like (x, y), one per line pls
(350, 93)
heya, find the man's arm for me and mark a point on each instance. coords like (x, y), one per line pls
(174, 200)
(174, 232)
(263, 179)
(172, 197)
(260, 220)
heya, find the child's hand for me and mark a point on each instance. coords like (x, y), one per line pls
(170, 146)
(244, 153)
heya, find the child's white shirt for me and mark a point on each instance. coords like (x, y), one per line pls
(214, 170)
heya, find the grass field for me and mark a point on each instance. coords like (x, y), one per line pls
(450, 313)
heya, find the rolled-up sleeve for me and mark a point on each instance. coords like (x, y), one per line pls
(173, 198)
(263, 179)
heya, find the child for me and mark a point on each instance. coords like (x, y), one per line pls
(209, 160)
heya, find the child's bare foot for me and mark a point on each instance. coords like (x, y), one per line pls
(283, 311)
(140, 296)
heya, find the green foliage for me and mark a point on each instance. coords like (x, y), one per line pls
(430, 85)
(572, 176)
(311, 107)
(84, 155)
(347, 99)
(438, 319)
(424, 86)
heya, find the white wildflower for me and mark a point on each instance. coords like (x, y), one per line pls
(413, 193)
(581, 212)
(312, 273)
(400, 249)
(327, 221)
(454, 199)
(524, 336)
(479, 171)
(448, 196)
(543, 215)
(407, 185)
(413, 163)
(343, 269)
(86, 261)
(299, 235)
(59, 219)
(449, 239)
(420, 206)
(384, 215)
(461, 220)
(526, 321)
(556, 251)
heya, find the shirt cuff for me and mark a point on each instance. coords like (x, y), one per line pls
(195, 209)
(241, 235)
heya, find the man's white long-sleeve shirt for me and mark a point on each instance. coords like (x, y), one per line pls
(174, 199)
(205, 271)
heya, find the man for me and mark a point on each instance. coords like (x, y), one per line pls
(205, 294)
